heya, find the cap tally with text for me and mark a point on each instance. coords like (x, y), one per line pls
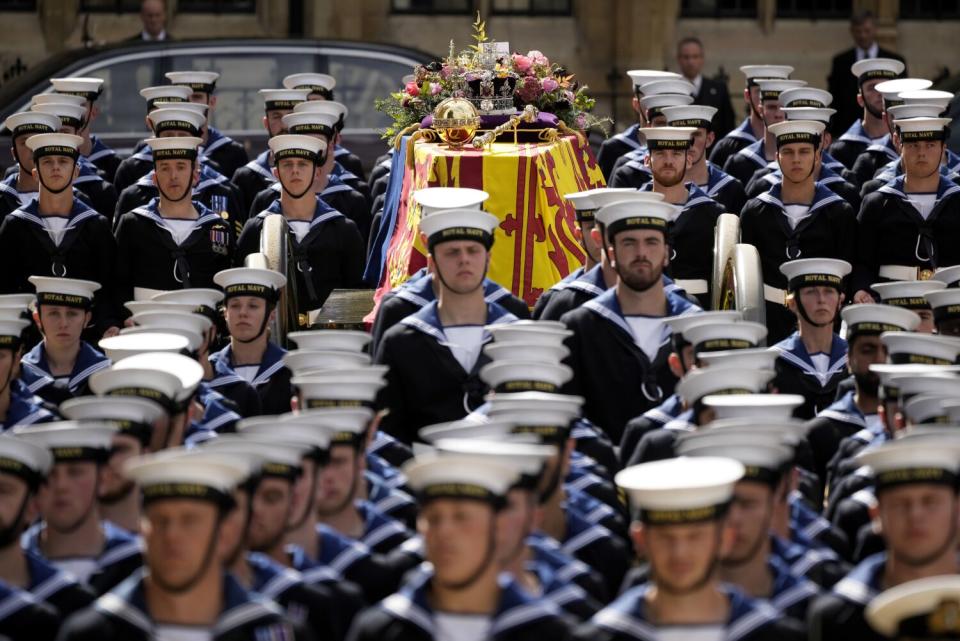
(720, 336)
(771, 89)
(755, 73)
(697, 116)
(629, 214)
(653, 106)
(165, 93)
(945, 304)
(311, 122)
(68, 292)
(176, 119)
(336, 109)
(927, 608)
(282, 99)
(297, 146)
(806, 97)
(876, 68)
(198, 475)
(920, 349)
(815, 272)
(434, 199)
(525, 376)
(640, 77)
(797, 131)
(459, 224)
(763, 462)
(198, 81)
(31, 122)
(71, 440)
(250, 281)
(460, 477)
(24, 459)
(909, 294)
(920, 129)
(318, 83)
(902, 462)
(132, 415)
(891, 89)
(668, 137)
(174, 148)
(54, 145)
(70, 115)
(874, 319)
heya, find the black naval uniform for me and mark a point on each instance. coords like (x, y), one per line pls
(848, 147)
(743, 164)
(830, 231)
(610, 370)
(271, 383)
(104, 157)
(100, 193)
(892, 232)
(23, 617)
(796, 374)
(227, 153)
(839, 613)
(766, 178)
(615, 146)
(732, 143)
(329, 257)
(426, 384)
(872, 160)
(253, 178)
(140, 163)
(149, 257)
(721, 187)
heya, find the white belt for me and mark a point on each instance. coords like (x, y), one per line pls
(774, 295)
(693, 286)
(145, 293)
(902, 272)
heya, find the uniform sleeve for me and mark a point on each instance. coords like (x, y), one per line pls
(846, 238)
(748, 232)
(392, 396)
(389, 313)
(249, 241)
(126, 258)
(573, 343)
(352, 256)
(866, 264)
(8, 254)
(109, 305)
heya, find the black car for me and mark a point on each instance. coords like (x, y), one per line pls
(364, 72)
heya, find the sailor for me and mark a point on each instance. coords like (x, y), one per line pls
(172, 242)
(871, 128)
(193, 595)
(328, 251)
(257, 174)
(58, 367)
(757, 155)
(796, 218)
(93, 148)
(620, 344)
(459, 596)
(17, 405)
(684, 500)
(918, 609)
(347, 166)
(660, 95)
(434, 355)
(212, 188)
(20, 187)
(945, 304)
(911, 295)
(904, 224)
(228, 154)
(907, 473)
(813, 359)
(752, 128)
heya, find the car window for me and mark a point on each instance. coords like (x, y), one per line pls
(360, 82)
(119, 110)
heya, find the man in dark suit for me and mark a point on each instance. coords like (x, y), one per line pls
(153, 15)
(708, 92)
(843, 84)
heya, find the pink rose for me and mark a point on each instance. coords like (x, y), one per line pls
(522, 64)
(537, 58)
(445, 71)
(435, 88)
(413, 89)
(581, 121)
(529, 90)
(549, 84)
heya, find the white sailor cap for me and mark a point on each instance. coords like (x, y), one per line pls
(518, 350)
(198, 475)
(24, 459)
(927, 608)
(336, 109)
(771, 89)
(10, 332)
(301, 361)
(609, 195)
(31, 123)
(297, 146)
(566, 403)
(69, 292)
(757, 358)
(526, 458)
(138, 306)
(763, 461)
(343, 424)
(434, 199)
(202, 300)
(924, 349)
(188, 371)
(889, 373)
(698, 116)
(583, 203)
(459, 476)
(797, 131)
(467, 428)
(928, 408)
(70, 115)
(680, 86)
(525, 376)
(891, 89)
(948, 275)
(293, 429)
(669, 137)
(754, 73)
(124, 346)
(132, 415)
(809, 113)
(815, 272)
(681, 490)
(311, 123)
(549, 424)
(635, 214)
(318, 83)
(273, 458)
(533, 332)
(680, 324)
(161, 388)
(698, 383)
(640, 77)
(909, 111)
(276, 99)
(918, 129)
(932, 97)
(174, 148)
(873, 68)
(769, 428)
(945, 304)
(54, 145)
(165, 93)
(250, 281)
(198, 81)
(87, 88)
(939, 383)
(164, 320)
(459, 224)
(13, 311)
(653, 106)
(755, 406)
(345, 340)
(57, 98)
(909, 294)
(876, 319)
(176, 119)
(71, 440)
(720, 336)
(901, 462)
(340, 388)
(806, 97)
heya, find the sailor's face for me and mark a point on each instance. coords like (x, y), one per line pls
(698, 146)
(336, 482)
(69, 495)
(922, 159)
(460, 264)
(515, 524)
(13, 492)
(274, 121)
(864, 351)
(57, 171)
(797, 161)
(919, 521)
(590, 245)
(271, 505)
(115, 485)
(683, 557)
(927, 325)
(175, 177)
(177, 534)
(297, 174)
(62, 325)
(870, 95)
(23, 153)
(749, 517)
(772, 113)
(244, 316)
(457, 535)
(303, 491)
(640, 256)
(820, 303)
(668, 166)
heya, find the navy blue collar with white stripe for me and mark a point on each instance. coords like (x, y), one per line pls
(856, 133)
(744, 131)
(152, 211)
(321, 214)
(25, 408)
(792, 350)
(35, 371)
(78, 213)
(822, 196)
(896, 188)
(845, 410)
(418, 289)
(270, 364)
(99, 149)
(427, 320)
(864, 581)
(629, 137)
(695, 195)
(607, 306)
(755, 151)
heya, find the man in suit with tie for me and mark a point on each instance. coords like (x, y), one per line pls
(841, 83)
(713, 93)
(153, 15)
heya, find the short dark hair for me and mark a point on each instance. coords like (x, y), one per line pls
(859, 17)
(689, 40)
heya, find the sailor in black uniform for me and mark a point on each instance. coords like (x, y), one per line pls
(461, 497)
(813, 359)
(58, 367)
(742, 164)
(868, 131)
(257, 174)
(348, 167)
(920, 543)
(57, 235)
(946, 312)
(752, 128)
(796, 218)
(905, 226)
(17, 405)
(327, 248)
(674, 507)
(910, 294)
(196, 596)
(620, 344)
(93, 148)
(20, 187)
(227, 153)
